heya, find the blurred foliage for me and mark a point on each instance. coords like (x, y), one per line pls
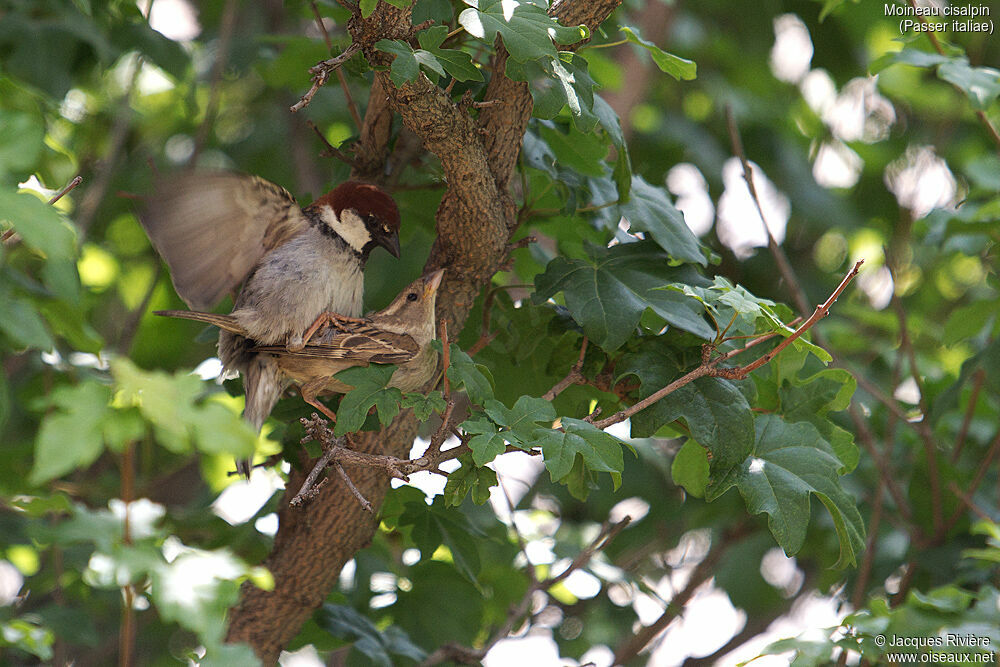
(98, 406)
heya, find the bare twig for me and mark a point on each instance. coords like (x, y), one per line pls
(981, 115)
(69, 186)
(350, 485)
(226, 27)
(321, 73)
(923, 429)
(309, 487)
(977, 479)
(467, 655)
(978, 378)
(968, 502)
(709, 366)
(703, 571)
(575, 376)
(331, 150)
(779, 255)
(351, 106)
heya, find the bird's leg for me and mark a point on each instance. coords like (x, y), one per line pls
(295, 344)
(309, 391)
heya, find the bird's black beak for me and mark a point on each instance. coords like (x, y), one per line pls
(390, 243)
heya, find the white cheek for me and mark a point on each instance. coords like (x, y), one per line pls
(349, 226)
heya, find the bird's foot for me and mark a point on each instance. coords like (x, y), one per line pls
(336, 320)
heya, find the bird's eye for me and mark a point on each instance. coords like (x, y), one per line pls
(412, 296)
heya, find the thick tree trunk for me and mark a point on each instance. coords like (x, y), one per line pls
(475, 220)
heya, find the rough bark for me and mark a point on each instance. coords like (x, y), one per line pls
(475, 220)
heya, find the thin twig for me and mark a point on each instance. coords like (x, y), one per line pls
(331, 150)
(702, 572)
(69, 186)
(969, 502)
(350, 485)
(709, 366)
(309, 487)
(978, 378)
(468, 655)
(321, 73)
(226, 27)
(981, 469)
(787, 274)
(351, 106)
(573, 377)
(981, 115)
(923, 429)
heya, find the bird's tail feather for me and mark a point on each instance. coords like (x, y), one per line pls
(227, 322)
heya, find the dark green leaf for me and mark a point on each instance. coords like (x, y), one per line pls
(527, 30)
(424, 406)
(41, 226)
(790, 462)
(524, 417)
(346, 623)
(439, 524)
(457, 63)
(608, 291)
(486, 443)
(469, 478)
(600, 451)
(475, 378)
(370, 389)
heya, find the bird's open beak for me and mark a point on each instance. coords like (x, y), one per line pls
(391, 243)
(432, 283)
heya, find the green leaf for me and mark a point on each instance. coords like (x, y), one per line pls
(609, 290)
(600, 451)
(457, 63)
(219, 430)
(367, 7)
(370, 389)
(790, 462)
(623, 176)
(439, 524)
(716, 412)
(649, 210)
(689, 469)
(557, 83)
(440, 11)
(408, 61)
(424, 406)
(527, 30)
(524, 417)
(475, 378)
(677, 67)
(486, 443)
(41, 226)
(22, 137)
(469, 478)
(39, 506)
(72, 436)
(583, 152)
(168, 402)
(20, 321)
(378, 646)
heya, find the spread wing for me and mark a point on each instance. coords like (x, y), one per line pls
(213, 227)
(363, 344)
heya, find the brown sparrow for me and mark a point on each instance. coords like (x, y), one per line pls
(216, 230)
(400, 333)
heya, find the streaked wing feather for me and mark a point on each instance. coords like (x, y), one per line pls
(366, 344)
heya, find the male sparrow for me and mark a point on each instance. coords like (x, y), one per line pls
(216, 230)
(400, 333)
